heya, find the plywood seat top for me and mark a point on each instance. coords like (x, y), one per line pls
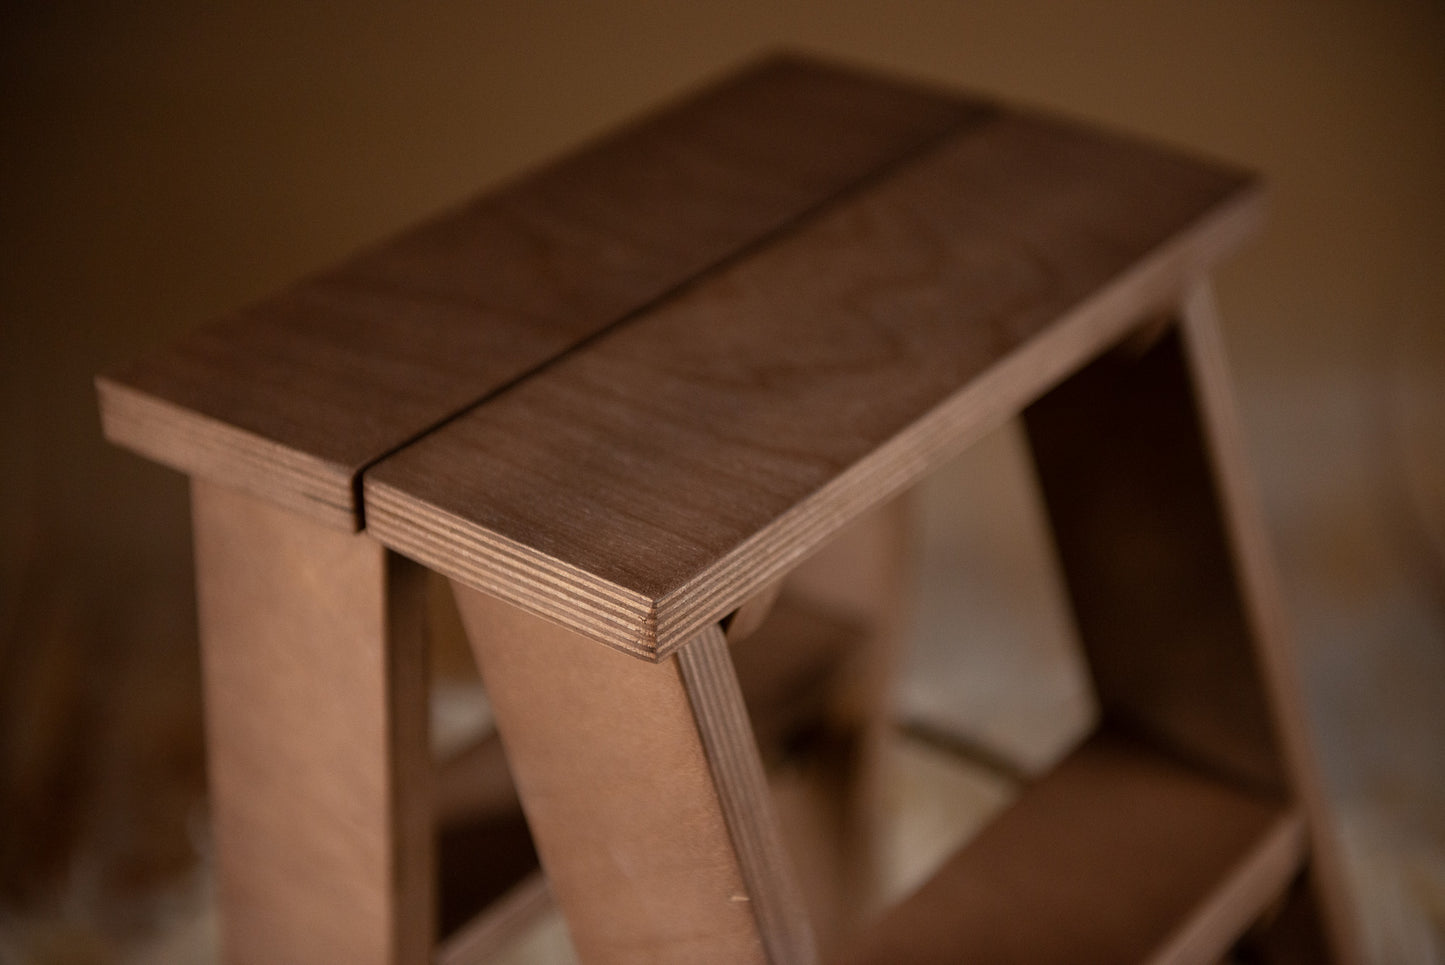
(628, 391)
(642, 487)
(293, 397)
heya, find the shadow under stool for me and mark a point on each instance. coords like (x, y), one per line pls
(650, 411)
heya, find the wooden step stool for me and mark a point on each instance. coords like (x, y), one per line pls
(616, 403)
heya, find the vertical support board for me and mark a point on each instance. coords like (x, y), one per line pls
(315, 702)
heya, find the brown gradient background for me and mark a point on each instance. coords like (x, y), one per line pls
(163, 163)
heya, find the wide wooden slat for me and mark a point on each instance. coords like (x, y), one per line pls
(292, 397)
(644, 488)
(1118, 855)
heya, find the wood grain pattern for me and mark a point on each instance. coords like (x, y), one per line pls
(1118, 855)
(294, 396)
(641, 490)
(619, 793)
(316, 731)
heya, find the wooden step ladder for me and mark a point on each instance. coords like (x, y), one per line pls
(627, 403)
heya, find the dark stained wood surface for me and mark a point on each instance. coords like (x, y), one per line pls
(644, 488)
(1118, 855)
(291, 398)
(1143, 542)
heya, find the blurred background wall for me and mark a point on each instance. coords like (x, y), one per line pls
(162, 163)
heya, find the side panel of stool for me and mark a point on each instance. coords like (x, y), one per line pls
(624, 804)
(1165, 568)
(1265, 599)
(315, 700)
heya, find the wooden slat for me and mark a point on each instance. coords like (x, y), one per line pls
(732, 754)
(1118, 855)
(640, 490)
(473, 781)
(487, 935)
(315, 681)
(1277, 655)
(292, 397)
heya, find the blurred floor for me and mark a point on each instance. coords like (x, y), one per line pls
(161, 165)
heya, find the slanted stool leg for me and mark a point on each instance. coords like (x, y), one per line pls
(1163, 552)
(644, 792)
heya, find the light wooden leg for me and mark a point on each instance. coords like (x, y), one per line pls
(861, 576)
(644, 792)
(1142, 475)
(315, 703)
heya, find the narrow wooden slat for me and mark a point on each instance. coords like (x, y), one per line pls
(315, 681)
(643, 489)
(619, 793)
(1118, 855)
(487, 935)
(474, 781)
(292, 397)
(1265, 607)
(732, 753)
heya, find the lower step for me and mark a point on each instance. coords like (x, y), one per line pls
(1120, 854)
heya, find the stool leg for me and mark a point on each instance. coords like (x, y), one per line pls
(862, 574)
(1164, 556)
(644, 792)
(315, 700)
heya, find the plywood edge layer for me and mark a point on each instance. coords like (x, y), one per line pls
(505, 568)
(732, 754)
(654, 628)
(218, 452)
